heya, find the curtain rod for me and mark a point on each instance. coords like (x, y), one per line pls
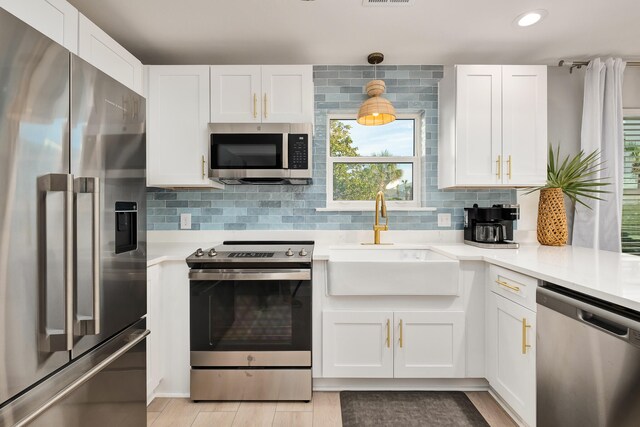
(580, 64)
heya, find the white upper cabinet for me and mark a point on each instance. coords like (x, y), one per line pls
(288, 93)
(56, 19)
(524, 124)
(236, 96)
(261, 94)
(100, 50)
(493, 126)
(177, 126)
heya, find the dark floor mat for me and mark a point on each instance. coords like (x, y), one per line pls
(408, 409)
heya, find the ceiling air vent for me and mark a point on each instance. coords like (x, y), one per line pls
(371, 3)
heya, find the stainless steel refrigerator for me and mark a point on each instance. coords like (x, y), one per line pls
(72, 239)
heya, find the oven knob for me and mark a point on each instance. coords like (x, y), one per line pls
(303, 252)
(289, 252)
(199, 252)
(212, 252)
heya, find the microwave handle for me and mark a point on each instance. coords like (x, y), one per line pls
(285, 151)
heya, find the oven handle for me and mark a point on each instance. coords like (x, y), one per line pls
(250, 274)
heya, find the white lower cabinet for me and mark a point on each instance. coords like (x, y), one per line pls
(381, 344)
(429, 345)
(357, 344)
(511, 354)
(155, 361)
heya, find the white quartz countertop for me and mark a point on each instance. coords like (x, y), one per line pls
(610, 276)
(606, 275)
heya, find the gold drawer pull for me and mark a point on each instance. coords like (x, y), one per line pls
(499, 167)
(509, 163)
(506, 285)
(203, 174)
(388, 333)
(525, 346)
(401, 337)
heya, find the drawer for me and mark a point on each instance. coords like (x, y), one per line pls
(516, 287)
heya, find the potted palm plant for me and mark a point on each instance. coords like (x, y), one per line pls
(578, 179)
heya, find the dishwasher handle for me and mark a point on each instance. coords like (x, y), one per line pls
(605, 325)
(602, 316)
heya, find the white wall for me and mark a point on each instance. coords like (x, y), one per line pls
(564, 113)
(565, 93)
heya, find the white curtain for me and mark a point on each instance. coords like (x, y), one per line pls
(602, 129)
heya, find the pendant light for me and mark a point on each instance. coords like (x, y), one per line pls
(376, 110)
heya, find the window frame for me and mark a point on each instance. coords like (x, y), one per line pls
(416, 160)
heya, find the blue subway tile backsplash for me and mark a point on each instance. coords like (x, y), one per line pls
(338, 89)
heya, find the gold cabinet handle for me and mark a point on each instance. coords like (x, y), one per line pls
(255, 106)
(265, 106)
(203, 174)
(525, 346)
(499, 166)
(506, 285)
(388, 333)
(509, 162)
(401, 337)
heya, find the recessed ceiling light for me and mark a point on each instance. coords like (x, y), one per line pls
(529, 18)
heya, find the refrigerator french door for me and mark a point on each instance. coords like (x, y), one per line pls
(72, 217)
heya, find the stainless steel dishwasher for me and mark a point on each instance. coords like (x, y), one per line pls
(588, 361)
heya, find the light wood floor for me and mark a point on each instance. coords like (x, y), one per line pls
(322, 411)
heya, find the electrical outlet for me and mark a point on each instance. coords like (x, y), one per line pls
(185, 221)
(444, 220)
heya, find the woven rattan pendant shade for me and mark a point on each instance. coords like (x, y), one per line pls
(376, 110)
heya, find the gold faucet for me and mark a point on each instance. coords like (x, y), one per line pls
(381, 208)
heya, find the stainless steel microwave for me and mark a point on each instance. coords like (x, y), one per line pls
(268, 153)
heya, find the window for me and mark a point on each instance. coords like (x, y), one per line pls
(362, 160)
(631, 192)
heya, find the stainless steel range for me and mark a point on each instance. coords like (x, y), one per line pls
(250, 321)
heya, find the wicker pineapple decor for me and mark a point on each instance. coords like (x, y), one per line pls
(552, 218)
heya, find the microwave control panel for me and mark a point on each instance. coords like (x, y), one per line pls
(298, 151)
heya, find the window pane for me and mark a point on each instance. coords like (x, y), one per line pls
(361, 181)
(631, 224)
(631, 197)
(348, 138)
(632, 153)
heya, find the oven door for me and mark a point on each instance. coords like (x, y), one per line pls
(248, 155)
(250, 317)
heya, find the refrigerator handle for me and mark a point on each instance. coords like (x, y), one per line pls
(91, 185)
(54, 340)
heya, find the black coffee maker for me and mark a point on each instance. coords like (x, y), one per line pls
(491, 227)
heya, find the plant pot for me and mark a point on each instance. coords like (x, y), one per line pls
(552, 218)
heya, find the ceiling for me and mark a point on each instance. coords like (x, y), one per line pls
(344, 32)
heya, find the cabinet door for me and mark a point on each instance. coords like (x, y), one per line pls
(100, 50)
(56, 19)
(478, 125)
(524, 124)
(177, 129)
(357, 344)
(429, 345)
(236, 96)
(155, 362)
(287, 93)
(511, 364)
